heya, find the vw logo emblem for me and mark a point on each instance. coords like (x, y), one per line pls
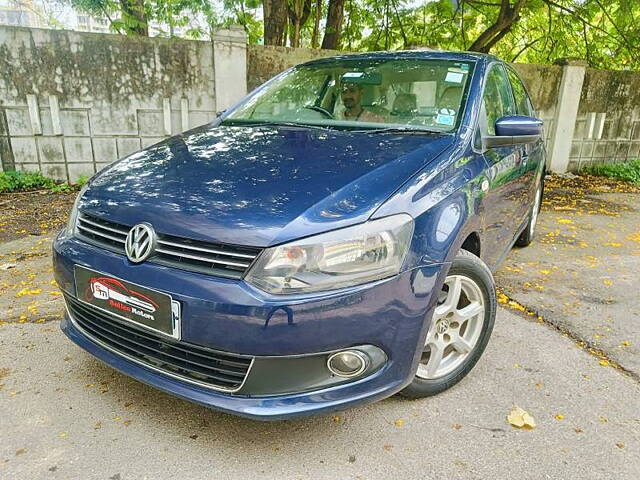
(140, 242)
(442, 327)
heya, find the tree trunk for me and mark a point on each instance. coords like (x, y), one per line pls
(333, 29)
(316, 25)
(507, 17)
(298, 11)
(134, 17)
(275, 21)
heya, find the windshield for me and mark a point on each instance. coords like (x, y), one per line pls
(364, 94)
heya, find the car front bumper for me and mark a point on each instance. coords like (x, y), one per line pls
(280, 331)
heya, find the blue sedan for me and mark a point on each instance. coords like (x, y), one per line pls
(326, 242)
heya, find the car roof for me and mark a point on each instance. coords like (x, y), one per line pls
(410, 54)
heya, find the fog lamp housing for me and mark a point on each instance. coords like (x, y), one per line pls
(348, 363)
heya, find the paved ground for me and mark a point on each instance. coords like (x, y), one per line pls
(64, 415)
(583, 272)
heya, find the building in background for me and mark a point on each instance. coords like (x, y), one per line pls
(20, 13)
(87, 23)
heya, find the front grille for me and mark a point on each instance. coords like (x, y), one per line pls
(192, 363)
(211, 258)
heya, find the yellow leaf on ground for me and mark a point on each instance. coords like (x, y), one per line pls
(604, 363)
(519, 418)
(399, 423)
(559, 416)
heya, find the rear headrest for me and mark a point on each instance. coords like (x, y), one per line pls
(404, 103)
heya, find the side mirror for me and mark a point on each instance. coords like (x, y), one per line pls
(514, 130)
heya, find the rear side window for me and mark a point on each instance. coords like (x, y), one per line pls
(523, 104)
(497, 99)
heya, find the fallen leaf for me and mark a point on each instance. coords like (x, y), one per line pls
(457, 426)
(578, 430)
(620, 445)
(519, 418)
(559, 416)
(399, 423)
(388, 448)
(604, 363)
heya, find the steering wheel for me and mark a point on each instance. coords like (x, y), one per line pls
(323, 111)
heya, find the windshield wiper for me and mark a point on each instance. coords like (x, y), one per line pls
(404, 130)
(263, 123)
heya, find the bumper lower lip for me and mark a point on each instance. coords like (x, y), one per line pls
(275, 407)
(263, 376)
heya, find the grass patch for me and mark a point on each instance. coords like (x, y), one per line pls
(626, 172)
(17, 181)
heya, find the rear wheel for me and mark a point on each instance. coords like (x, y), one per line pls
(526, 237)
(460, 329)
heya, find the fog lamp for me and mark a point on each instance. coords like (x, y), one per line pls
(348, 363)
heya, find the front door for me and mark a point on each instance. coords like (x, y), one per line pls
(505, 199)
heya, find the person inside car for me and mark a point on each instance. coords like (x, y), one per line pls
(351, 95)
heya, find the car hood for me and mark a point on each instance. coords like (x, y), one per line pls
(258, 186)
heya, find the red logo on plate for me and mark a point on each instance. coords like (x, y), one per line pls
(120, 297)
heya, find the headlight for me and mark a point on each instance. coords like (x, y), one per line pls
(73, 216)
(342, 258)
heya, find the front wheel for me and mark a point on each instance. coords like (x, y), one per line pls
(460, 329)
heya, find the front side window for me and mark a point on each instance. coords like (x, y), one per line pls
(523, 104)
(497, 99)
(360, 94)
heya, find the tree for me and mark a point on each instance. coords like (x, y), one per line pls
(316, 24)
(298, 11)
(275, 21)
(134, 18)
(507, 16)
(333, 29)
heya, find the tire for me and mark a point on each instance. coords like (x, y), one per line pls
(475, 283)
(526, 237)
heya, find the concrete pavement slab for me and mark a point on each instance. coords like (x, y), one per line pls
(67, 416)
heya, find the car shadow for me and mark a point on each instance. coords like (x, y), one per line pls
(148, 407)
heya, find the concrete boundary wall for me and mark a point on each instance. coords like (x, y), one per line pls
(71, 102)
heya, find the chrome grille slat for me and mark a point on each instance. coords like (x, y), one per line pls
(206, 250)
(176, 359)
(101, 234)
(222, 260)
(201, 259)
(96, 224)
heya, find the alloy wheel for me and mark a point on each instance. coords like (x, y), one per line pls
(455, 328)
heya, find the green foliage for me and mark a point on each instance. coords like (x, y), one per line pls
(19, 181)
(13, 181)
(627, 171)
(603, 33)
